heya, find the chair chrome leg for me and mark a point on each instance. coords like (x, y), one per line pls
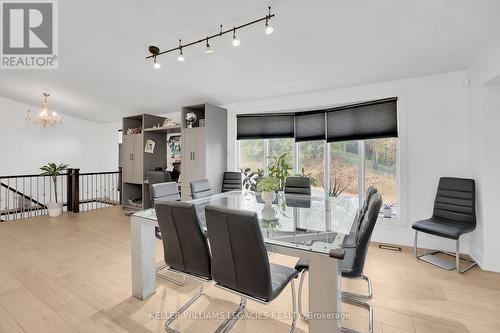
(301, 285)
(356, 295)
(228, 324)
(415, 245)
(365, 305)
(294, 308)
(443, 263)
(169, 279)
(181, 310)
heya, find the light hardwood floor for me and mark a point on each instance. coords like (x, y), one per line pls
(72, 274)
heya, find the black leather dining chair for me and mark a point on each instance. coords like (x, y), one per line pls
(231, 181)
(352, 265)
(200, 189)
(185, 247)
(240, 262)
(350, 240)
(298, 185)
(454, 215)
(164, 192)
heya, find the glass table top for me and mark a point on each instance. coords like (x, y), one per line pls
(314, 222)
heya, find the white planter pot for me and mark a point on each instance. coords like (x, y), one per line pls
(268, 197)
(387, 212)
(55, 209)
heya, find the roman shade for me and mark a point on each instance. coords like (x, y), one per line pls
(310, 126)
(265, 126)
(370, 120)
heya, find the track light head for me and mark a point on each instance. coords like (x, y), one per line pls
(236, 40)
(156, 64)
(208, 50)
(181, 55)
(269, 28)
(154, 50)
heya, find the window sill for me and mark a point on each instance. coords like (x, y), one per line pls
(395, 220)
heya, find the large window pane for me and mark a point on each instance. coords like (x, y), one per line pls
(380, 168)
(311, 158)
(344, 166)
(252, 154)
(281, 146)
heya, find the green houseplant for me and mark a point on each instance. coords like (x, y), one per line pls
(268, 187)
(280, 168)
(337, 186)
(53, 170)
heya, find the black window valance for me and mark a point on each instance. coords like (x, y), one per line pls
(265, 126)
(370, 120)
(310, 126)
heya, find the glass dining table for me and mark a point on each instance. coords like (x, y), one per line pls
(304, 226)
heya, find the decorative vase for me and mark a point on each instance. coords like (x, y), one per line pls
(387, 212)
(268, 198)
(55, 209)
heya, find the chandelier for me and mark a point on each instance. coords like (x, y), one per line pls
(45, 117)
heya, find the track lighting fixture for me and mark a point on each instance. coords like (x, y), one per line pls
(155, 51)
(208, 49)
(236, 40)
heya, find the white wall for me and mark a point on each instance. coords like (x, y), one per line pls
(485, 118)
(25, 147)
(435, 140)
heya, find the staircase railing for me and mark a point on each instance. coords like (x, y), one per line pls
(25, 196)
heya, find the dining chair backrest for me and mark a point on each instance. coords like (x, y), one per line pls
(298, 185)
(365, 233)
(239, 256)
(456, 200)
(165, 192)
(155, 177)
(231, 181)
(185, 246)
(200, 189)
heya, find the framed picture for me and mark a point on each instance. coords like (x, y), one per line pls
(150, 146)
(174, 147)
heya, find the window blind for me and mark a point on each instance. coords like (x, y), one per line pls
(370, 120)
(264, 126)
(310, 126)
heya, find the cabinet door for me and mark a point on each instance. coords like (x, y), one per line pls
(138, 159)
(188, 142)
(128, 158)
(200, 155)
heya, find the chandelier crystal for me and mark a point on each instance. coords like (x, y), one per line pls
(45, 117)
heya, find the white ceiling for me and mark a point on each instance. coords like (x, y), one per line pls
(316, 45)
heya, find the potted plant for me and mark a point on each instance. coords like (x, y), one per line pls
(387, 210)
(280, 169)
(314, 181)
(53, 170)
(336, 187)
(268, 186)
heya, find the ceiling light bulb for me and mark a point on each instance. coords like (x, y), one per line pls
(181, 56)
(236, 40)
(269, 28)
(156, 65)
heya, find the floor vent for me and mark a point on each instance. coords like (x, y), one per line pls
(389, 247)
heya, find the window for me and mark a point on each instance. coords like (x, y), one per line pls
(252, 154)
(344, 166)
(312, 159)
(380, 168)
(371, 162)
(277, 147)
